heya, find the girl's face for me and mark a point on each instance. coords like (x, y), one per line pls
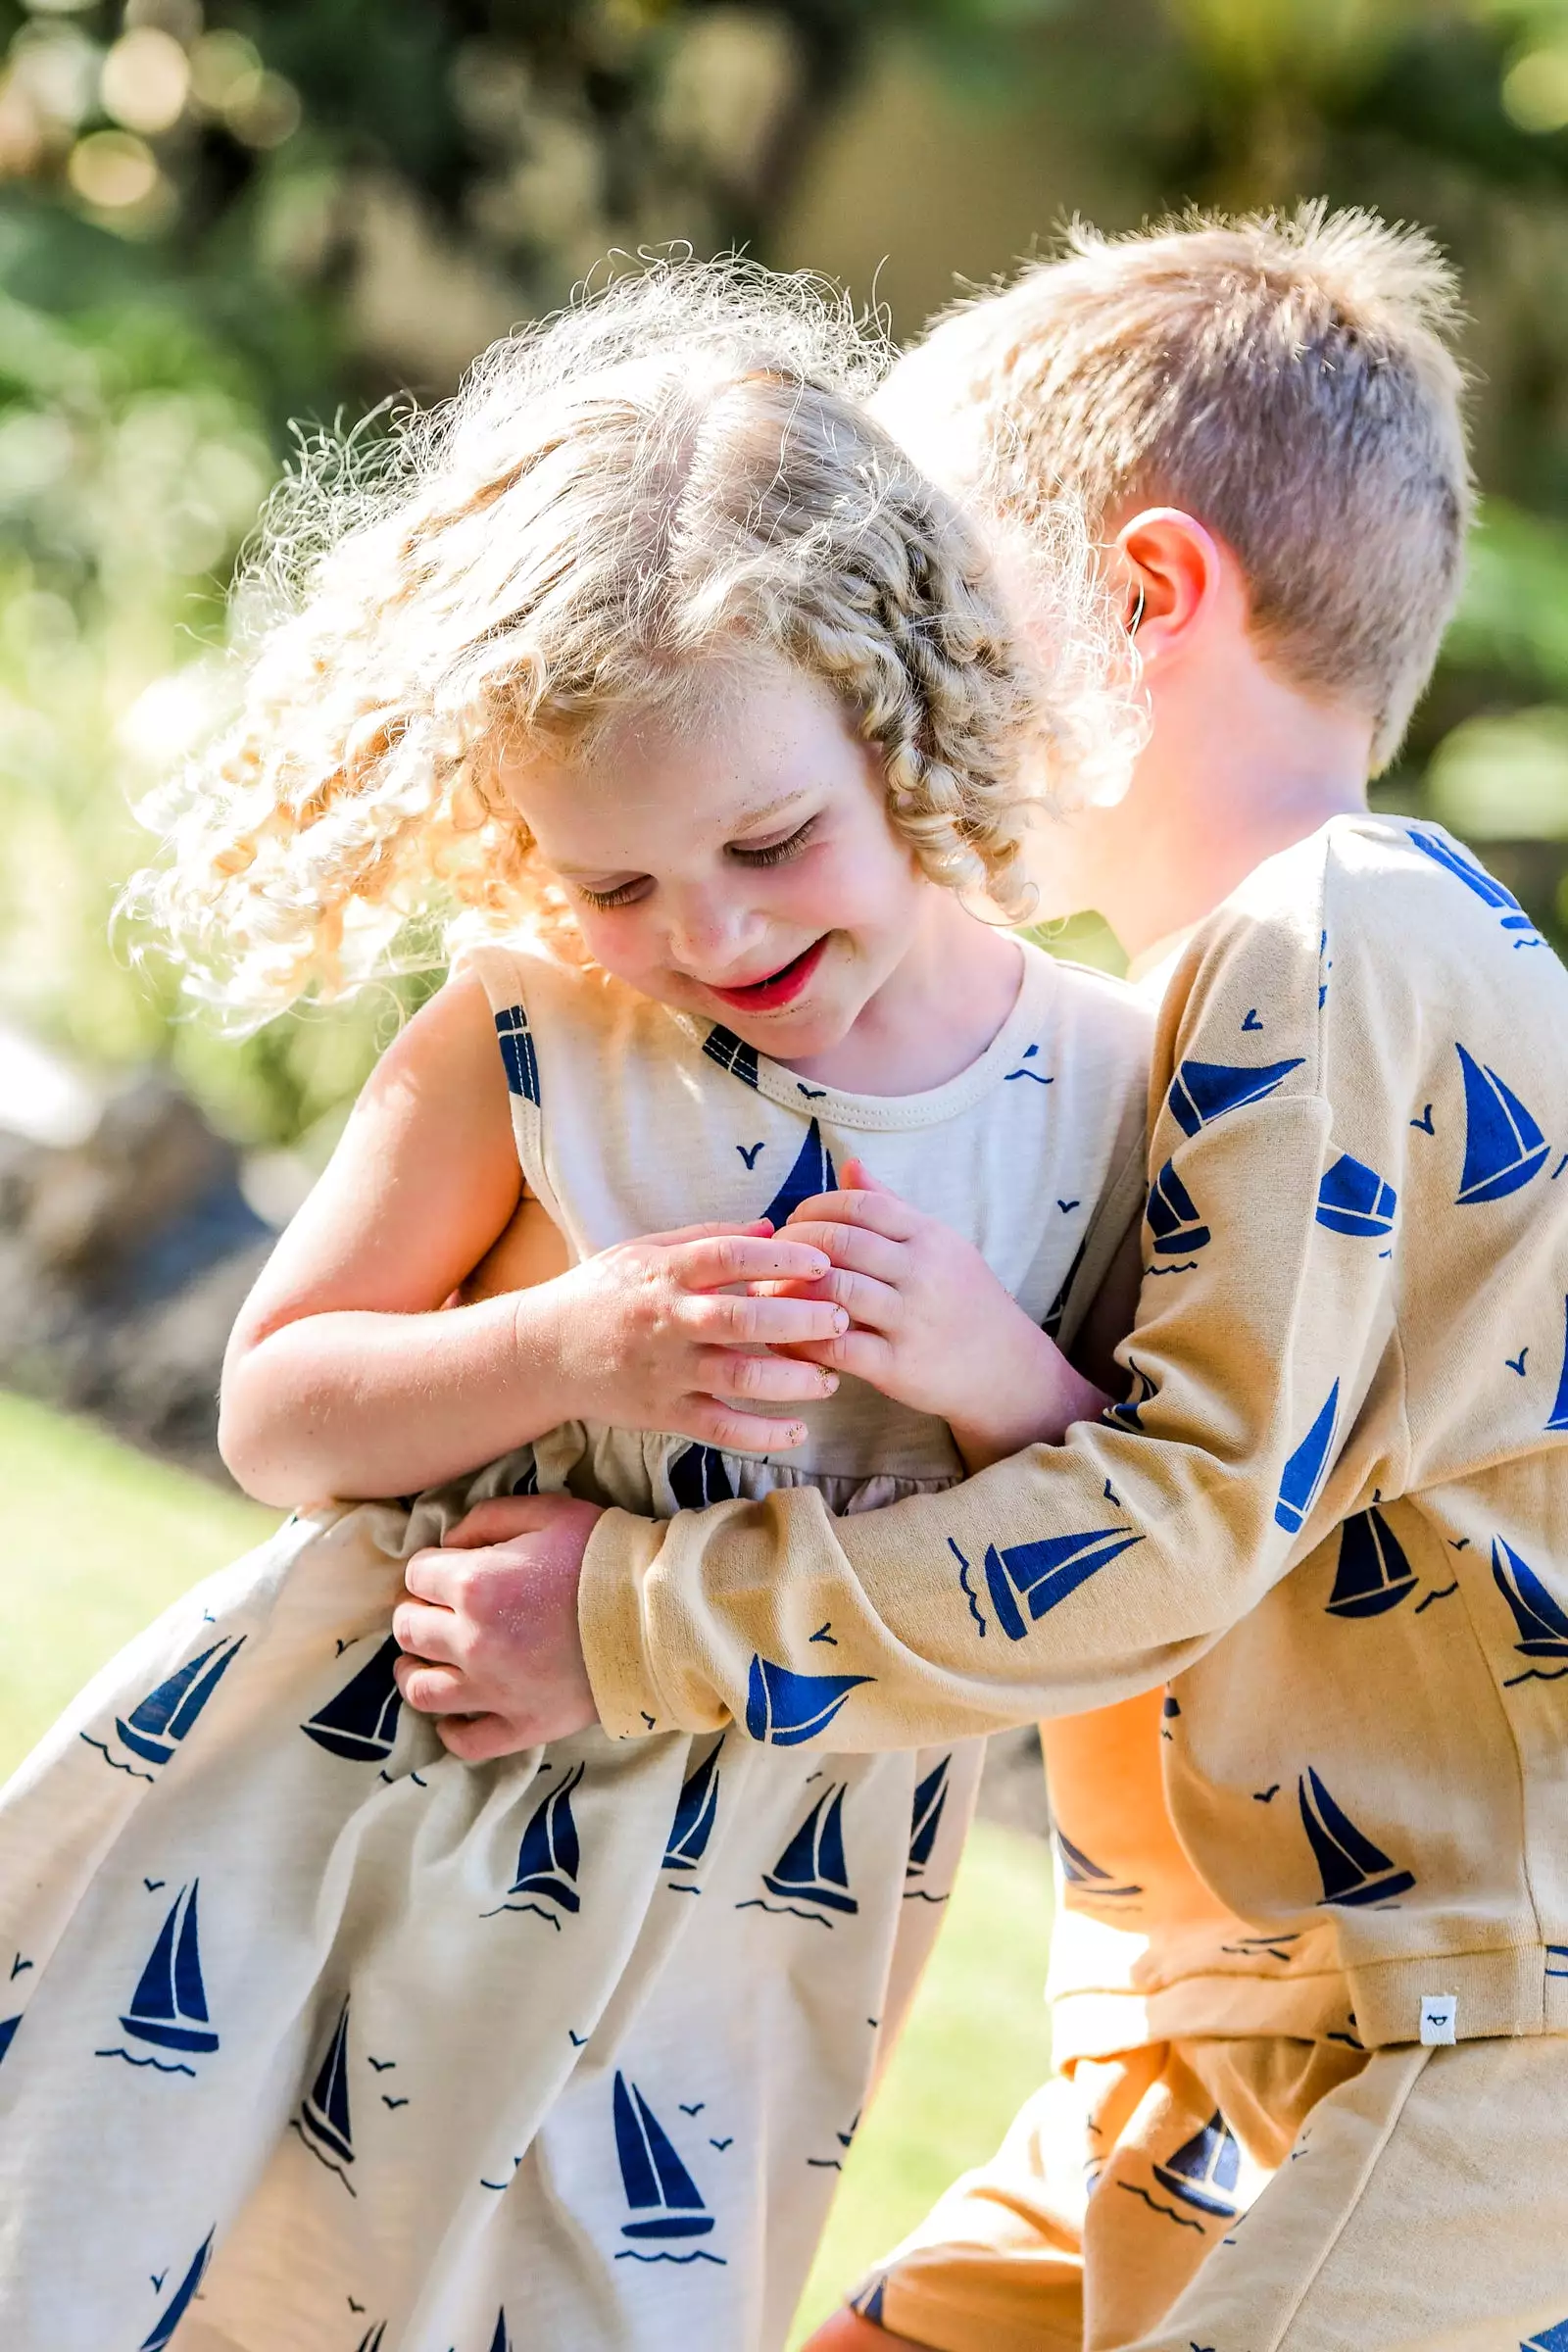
(738, 865)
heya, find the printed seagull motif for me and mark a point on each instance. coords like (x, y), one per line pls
(1204, 2169)
(1373, 1573)
(811, 1867)
(659, 2189)
(784, 1710)
(323, 2122)
(517, 1053)
(813, 1173)
(1541, 1623)
(698, 1477)
(1559, 1418)
(1355, 1198)
(1042, 1574)
(185, 2294)
(1474, 877)
(1306, 1470)
(1353, 1870)
(1504, 1147)
(156, 1728)
(695, 1814)
(930, 1798)
(548, 1857)
(1079, 1871)
(1201, 1091)
(168, 2007)
(362, 1721)
(731, 1053)
(1173, 1217)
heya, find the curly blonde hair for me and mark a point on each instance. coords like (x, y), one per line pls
(677, 469)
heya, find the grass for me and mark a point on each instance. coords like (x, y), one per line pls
(99, 1540)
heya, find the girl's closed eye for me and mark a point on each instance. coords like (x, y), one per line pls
(775, 852)
(624, 894)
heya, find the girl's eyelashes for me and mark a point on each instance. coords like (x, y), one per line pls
(774, 852)
(624, 894)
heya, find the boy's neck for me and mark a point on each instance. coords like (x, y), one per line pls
(1235, 771)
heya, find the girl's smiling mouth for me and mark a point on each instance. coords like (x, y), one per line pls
(778, 988)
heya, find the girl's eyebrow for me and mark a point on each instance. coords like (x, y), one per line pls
(773, 807)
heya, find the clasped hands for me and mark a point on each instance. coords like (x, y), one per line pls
(684, 1332)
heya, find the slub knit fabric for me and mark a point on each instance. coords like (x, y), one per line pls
(319, 2038)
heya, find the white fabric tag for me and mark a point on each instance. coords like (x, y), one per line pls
(1438, 2013)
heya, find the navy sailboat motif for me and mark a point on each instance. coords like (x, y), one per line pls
(501, 2341)
(1173, 1217)
(1504, 1147)
(784, 1710)
(666, 2201)
(548, 1857)
(180, 2301)
(168, 2007)
(1041, 1575)
(1352, 1869)
(362, 1721)
(731, 1053)
(1201, 1091)
(1373, 1573)
(930, 1799)
(323, 2122)
(868, 2304)
(517, 1053)
(7, 2031)
(1204, 2169)
(1548, 2339)
(1307, 1467)
(694, 1815)
(1474, 877)
(1079, 1871)
(812, 1869)
(1131, 1407)
(372, 2339)
(1542, 1624)
(155, 1729)
(1558, 1417)
(697, 1476)
(813, 1173)
(1355, 1198)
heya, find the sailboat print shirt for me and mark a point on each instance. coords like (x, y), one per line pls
(1331, 1517)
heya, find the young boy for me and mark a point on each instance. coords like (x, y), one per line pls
(1330, 1518)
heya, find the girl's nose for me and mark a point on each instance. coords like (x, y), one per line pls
(708, 933)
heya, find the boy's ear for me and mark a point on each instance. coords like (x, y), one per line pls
(1175, 574)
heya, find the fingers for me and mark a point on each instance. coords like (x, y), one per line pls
(765, 1321)
(424, 1632)
(858, 1249)
(882, 1211)
(712, 1422)
(774, 1379)
(721, 1259)
(856, 1177)
(480, 1739)
(433, 1689)
(500, 1519)
(866, 1354)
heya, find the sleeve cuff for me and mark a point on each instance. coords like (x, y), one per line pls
(609, 1619)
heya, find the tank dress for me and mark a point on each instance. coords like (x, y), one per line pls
(314, 2038)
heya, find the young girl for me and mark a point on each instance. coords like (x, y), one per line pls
(657, 658)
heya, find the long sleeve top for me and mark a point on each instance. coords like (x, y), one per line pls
(1329, 1520)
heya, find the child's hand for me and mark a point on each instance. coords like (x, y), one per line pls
(651, 1334)
(489, 1628)
(932, 1326)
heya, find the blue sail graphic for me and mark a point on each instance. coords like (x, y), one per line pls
(1548, 2339)
(1201, 1091)
(362, 1721)
(1352, 1869)
(1355, 1198)
(813, 1173)
(7, 2031)
(1373, 1573)
(784, 1710)
(325, 2112)
(155, 1729)
(868, 2304)
(517, 1053)
(1044, 1573)
(1542, 1624)
(811, 1865)
(185, 2294)
(694, 1815)
(371, 2339)
(1204, 2169)
(1559, 1418)
(732, 1053)
(655, 2181)
(501, 2341)
(168, 2007)
(1079, 1871)
(697, 1476)
(1173, 1217)
(1306, 1470)
(548, 1857)
(1050, 1323)
(1504, 1147)
(1474, 877)
(930, 1798)
(1128, 1412)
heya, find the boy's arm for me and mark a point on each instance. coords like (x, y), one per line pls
(1072, 1576)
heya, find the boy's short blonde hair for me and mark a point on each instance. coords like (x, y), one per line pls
(675, 474)
(1285, 378)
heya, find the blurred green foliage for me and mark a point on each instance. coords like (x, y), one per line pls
(215, 217)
